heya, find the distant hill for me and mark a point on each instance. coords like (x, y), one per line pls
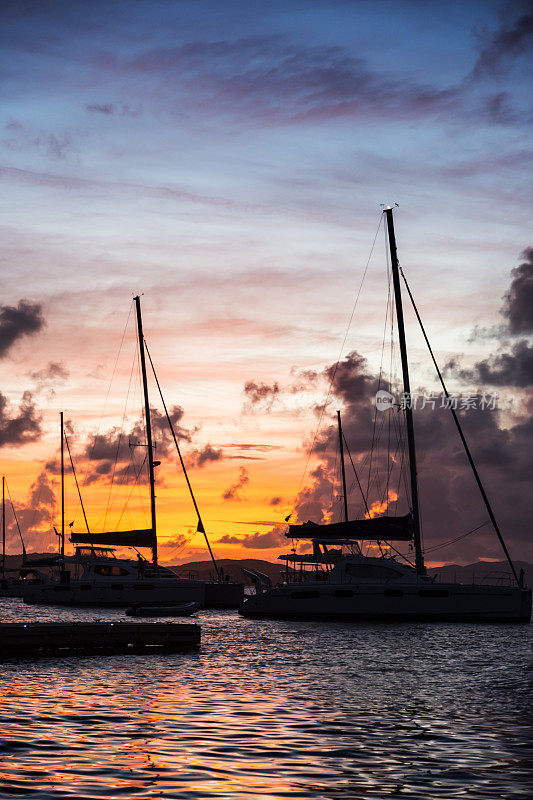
(488, 570)
(232, 567)
(15, 561)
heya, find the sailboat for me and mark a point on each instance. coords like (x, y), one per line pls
(338, 581)
(95, 576)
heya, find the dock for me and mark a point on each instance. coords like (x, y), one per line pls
(33, 639)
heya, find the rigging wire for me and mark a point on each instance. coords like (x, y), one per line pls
(457, 538)
(120, 437)
(356, 475)
(325, 404)
(77, 484)
(86, 477)
(462, 436)
(380, 375)
(134, 486)
(200, 527)
(16, 520)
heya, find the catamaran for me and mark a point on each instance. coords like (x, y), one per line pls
(338, 581)
(95, 576)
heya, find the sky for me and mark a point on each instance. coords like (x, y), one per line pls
(229, 162)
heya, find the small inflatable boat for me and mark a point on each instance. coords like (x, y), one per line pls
(181, 610)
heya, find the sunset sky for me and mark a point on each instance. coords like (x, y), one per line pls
(228, 161)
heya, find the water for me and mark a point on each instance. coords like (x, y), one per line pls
(274, 709)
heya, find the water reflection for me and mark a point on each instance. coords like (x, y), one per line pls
(274, 709)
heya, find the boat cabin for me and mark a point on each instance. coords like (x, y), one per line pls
(91, 552)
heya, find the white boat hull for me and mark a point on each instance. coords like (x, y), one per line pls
(80, 593)
(446, 602)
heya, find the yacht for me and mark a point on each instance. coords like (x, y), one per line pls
(94, 576)
(333, 584)
(337, 581)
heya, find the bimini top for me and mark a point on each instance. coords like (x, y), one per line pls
(142, 538)
(399, 529)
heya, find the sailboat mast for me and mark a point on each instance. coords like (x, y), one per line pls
(419, 557)
(3, 526)
(151, 476)
(62, 539)
(341, 453)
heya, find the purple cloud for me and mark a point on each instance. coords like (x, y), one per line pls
(22, 427)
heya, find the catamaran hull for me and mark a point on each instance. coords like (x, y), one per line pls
(114, 595)
(429, 603)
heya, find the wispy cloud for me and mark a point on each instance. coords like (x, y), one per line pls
(234, 492)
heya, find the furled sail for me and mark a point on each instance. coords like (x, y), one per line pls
(377, 529)
(140, 538)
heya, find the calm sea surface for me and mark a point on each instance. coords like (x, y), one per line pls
(272, 710)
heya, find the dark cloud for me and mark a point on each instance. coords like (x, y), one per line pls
(315, 501)
(22, 427)
(518, 307)
(261, 393)
(42, 498)
(233, 492)
(47, 377)
(101, 108)
(275, 501)
(178, 542)
(120, 455)
(306, 379)
(350, 379)
(199, 458)
(513, 39)
(110, 109)
(53, 370)
(258, 541)
(450, 501)
(265, 541)
(227, 539)
(53, 466)
(514, 368)
(18, 321)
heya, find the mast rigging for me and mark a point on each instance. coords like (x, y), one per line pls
(200, 527)
(151, 475)
(419, 557)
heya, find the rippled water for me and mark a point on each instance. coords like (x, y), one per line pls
(274, 709)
